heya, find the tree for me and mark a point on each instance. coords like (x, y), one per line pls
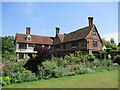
(7, 44)
(42, 55)
(109, 44)
(112, 40)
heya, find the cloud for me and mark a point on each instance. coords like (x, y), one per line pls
(111, 35)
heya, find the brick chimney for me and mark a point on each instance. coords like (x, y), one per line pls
(90, 20)
(57, 30)
(28, 30)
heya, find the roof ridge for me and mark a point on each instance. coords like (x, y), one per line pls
(34, 35)
(78, 29)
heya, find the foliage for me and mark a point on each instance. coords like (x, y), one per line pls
(109, 79)
(7, 44)
(58, 61)
(56, 67)
(89, 58)
(14, 70)
(109, 44)
(43, 54)
(5, 80)
(7, 56)
(23, 76)
(117, 59)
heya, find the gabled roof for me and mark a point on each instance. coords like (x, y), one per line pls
(77, 35)
(61, 37)
(35, 39)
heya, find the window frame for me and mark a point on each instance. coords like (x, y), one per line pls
(95, 43)
(22, 46)
(74, 44)
(94, 32)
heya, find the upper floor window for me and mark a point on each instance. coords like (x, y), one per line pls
(94, 32)
(22, 46)
(74, 43)
(30, 45)
(95, 44)
(28, 37)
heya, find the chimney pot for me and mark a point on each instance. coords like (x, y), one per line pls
(90, 20)
(57, 30)
(28, 30)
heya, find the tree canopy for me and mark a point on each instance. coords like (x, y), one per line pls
(7, 44)
(109, 44)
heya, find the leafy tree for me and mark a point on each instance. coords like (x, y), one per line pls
(7, 44)
(42, 55)
(109, 44)
(112, 40)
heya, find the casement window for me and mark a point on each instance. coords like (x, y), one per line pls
(94, 32)
(74, 44)
(30, 45)
(95, 44)
(21, 56)
(22, 46)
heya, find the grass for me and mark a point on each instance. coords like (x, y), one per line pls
(108, 79)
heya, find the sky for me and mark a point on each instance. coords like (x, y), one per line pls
(43, 17)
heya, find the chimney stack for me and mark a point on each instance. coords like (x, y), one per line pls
(57, 30)
(28, 30)
(90, 20)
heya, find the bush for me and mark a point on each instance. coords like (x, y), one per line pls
(46, 70)
(22, 77)
(89, 58)
(16, 72)
(5, 80)
(117, 59)
(83, 70)
(105, 65)
(58, 61)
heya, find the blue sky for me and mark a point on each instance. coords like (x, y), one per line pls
(44, 17)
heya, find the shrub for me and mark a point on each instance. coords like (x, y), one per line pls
(89, 57)
(16, 72)
(5, 80)
(83, 70)
(117, 59)
(22, 77)
(58, 61)
(71, 59)
(47, 68)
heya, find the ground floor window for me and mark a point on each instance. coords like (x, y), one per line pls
(21, 56)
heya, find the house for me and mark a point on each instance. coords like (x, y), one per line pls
(25, 43)
(85, 39)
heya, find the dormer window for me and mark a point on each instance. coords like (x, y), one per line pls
(28, 38)
(94, 32)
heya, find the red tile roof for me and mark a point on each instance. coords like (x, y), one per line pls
(78, 34)
(35, 39)
(61, 37)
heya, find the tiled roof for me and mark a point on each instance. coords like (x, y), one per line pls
(61, 37)
(21, 38)
(78, 34)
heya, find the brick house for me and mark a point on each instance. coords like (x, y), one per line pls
(86, 39)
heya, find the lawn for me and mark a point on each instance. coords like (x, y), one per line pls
(108, 79)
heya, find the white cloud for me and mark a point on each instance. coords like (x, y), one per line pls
(111, 35)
